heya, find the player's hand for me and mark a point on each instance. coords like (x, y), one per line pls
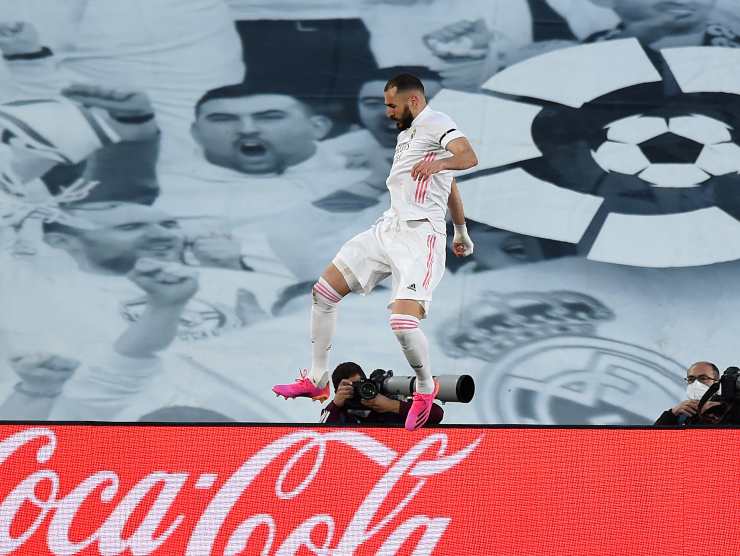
(166, 284)
(118, 103)
(382, 404)
(345, 391)
(462, 245)
(219, 250)
(43, 373)
(18, 37)
(686, 407)
(424, 169)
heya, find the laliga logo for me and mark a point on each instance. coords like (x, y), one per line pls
(632, 157)
(153, 532)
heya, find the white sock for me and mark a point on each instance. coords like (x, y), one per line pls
(416, 349)
(323, 325)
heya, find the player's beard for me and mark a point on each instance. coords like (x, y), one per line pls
(406, 119)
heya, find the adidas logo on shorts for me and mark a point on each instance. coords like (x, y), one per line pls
(411, 287)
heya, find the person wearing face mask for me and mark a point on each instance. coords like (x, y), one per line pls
(699, 377)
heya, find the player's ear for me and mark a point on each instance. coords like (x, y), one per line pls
(321, 126)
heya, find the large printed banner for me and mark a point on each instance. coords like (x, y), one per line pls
(196, 164)
(215, 490)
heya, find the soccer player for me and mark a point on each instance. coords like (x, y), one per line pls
(406, 243)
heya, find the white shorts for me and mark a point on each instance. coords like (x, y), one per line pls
(412, 253)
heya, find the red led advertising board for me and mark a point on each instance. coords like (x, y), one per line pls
(201, 490)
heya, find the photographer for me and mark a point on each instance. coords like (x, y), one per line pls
(345, 408)
(699, 378)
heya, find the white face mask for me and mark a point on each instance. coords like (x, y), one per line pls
(696, 390)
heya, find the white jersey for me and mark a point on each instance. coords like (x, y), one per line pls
(420, 199)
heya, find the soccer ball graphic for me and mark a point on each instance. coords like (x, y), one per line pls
(630, 161)
(683, 151)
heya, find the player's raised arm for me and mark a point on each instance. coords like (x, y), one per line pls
(463, 157)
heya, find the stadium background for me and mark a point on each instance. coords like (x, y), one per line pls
(600, 273)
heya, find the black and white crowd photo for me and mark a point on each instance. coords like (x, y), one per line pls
(205, 203)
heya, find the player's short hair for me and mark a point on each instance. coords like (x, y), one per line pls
(387, 74)
(346, 370)
(241, 90)
(405, 82)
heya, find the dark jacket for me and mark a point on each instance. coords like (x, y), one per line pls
(334, 415)
(723, 414)
(667, 418)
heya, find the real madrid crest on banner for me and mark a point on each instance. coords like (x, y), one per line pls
(548, 365)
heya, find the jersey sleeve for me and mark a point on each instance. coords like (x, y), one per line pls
(445, 130)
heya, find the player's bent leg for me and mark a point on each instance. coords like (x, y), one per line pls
(405, 325)
(336, 280)
(325, 296)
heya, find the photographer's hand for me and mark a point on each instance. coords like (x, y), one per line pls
(686, 407)
(382, 404)
(344, 392)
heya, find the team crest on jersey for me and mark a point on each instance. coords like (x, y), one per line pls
(406, 145)
(402, 148)
(200, 320)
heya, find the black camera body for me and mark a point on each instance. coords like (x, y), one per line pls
(452, 388)
(368, 388)
(729, 385)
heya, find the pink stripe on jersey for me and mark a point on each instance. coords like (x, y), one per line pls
(323, 291)
(425, 190)
(431, 242)
(422, 183)
(419, 180)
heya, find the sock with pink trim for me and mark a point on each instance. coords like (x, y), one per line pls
(323, 325)
(416, 349)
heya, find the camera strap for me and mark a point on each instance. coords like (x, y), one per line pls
(708, 394)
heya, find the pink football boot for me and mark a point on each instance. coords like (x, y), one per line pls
(420, 408)
(302, 388)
